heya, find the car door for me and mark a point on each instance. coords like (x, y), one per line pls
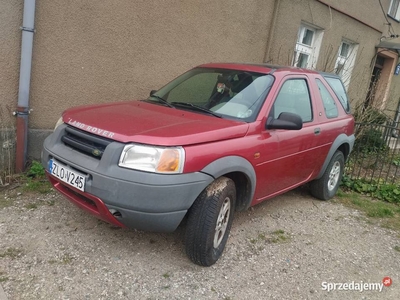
(332, 121)
(290, 161)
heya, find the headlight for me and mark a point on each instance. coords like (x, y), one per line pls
(59, 122)
(168, 160)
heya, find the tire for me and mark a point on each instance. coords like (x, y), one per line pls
(209, 222)
(326, 187)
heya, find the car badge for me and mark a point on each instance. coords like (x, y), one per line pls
(96, 152)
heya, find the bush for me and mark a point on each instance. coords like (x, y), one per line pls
(370, 115)
(385, 192)
(36, 170)
(35, 179)
(370, 141)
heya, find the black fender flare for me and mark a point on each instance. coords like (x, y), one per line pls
(231, 164)
(339, 141)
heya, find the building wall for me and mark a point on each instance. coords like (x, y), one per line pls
(394, 92)
(394, 97)
(89, 52)
(367, 11)
(372, 14)
(10, 41)
(10, 44)
(98, 51)
(335, 27)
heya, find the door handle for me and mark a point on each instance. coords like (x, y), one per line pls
(317, 131)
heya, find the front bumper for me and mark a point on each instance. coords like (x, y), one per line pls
(124, 197)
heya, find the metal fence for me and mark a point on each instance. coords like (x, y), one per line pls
(376, 154)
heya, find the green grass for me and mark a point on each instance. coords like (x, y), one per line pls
(376, 188)
(52, 261)
(31, 206)
(35, 205)
(39, 185)
(36, 170)
(260, 237)
(5, 203)
(66, 259)
(387, 214)
(374, 209)
(11, 252)
(278, 232)
(35, 179)
(3, 279)
(279, 236)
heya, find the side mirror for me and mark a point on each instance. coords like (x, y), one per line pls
(285, 120)
(152, 92)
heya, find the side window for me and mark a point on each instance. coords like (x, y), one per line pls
(294, 97)
(338, 88)
(331, 110)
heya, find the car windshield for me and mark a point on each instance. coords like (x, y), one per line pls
(232, 94)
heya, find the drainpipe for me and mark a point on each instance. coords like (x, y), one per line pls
(24, 84)
(271, 31)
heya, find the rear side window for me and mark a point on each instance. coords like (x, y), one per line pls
(294, 97)
(331, 110)
(337, 86)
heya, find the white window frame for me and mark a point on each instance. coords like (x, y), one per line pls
(345, 63)
(311, 50)
(394, 11)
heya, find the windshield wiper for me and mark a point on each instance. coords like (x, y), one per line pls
(161, 100)
(196, 107)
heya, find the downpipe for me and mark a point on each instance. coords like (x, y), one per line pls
(23, 110)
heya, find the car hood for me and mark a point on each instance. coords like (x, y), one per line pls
(141, 122)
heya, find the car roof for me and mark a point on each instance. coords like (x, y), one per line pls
(264, 68)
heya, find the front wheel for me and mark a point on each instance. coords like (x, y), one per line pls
(326, 187)
(209, 222)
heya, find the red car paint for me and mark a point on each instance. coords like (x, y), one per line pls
(85, 201)
(146, 123)
(282, 159)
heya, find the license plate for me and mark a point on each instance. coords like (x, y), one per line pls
(67, 175)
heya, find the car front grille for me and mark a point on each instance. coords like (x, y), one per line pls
(84, 142)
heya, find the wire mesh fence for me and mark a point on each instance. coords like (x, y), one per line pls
(376, 154)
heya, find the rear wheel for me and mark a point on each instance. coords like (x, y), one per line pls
(209, 222)
(326, 187)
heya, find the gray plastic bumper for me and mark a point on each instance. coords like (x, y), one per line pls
(145, 201)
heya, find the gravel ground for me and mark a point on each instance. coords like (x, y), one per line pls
(284, 248)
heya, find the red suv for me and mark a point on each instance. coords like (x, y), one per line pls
(218, 139)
